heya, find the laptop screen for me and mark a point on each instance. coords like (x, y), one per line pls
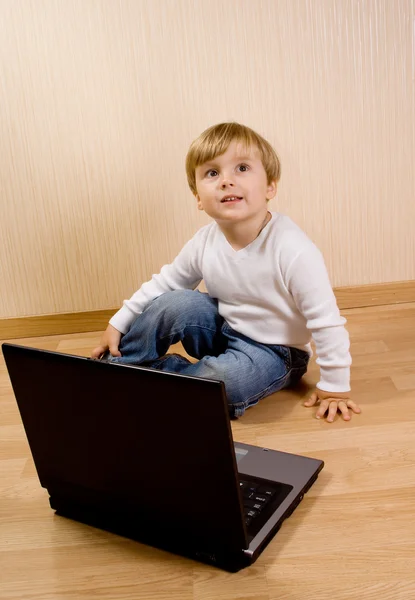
(154, 446)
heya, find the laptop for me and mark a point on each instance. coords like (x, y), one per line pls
(149, 455)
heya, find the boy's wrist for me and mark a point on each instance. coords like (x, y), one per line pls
(122, 320)
(324, 395)
(334, 380)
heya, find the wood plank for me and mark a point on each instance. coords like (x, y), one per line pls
(377, 294)
(58, 324)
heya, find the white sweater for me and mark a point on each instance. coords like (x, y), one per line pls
(276, 290)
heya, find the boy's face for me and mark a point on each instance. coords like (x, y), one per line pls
(233, 187)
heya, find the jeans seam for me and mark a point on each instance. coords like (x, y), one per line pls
(240, 407)
(261, 394)
(187, 325)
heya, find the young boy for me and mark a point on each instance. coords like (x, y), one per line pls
(267, 284)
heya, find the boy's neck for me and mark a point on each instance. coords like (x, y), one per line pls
(239, 235)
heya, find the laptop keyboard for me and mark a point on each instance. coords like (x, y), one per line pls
(255, 499)
(260, 499)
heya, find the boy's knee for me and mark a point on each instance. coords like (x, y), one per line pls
(181, 296)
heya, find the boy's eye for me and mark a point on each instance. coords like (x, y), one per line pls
(243, 168)
(211, 173)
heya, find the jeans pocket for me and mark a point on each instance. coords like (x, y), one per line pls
(284, 352)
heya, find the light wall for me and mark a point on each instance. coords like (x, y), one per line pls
(99, 100)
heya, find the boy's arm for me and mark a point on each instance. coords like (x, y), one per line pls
(308, 281)
(183, 273)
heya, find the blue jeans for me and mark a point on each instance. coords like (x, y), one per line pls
(249, 370)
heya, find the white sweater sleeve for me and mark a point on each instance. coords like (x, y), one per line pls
(183, 273)
(308, 282)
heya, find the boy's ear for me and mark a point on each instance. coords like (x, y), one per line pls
(271, 190)
(199, 204)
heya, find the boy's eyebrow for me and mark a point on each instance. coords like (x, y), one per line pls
(244, 157)
(212, 162)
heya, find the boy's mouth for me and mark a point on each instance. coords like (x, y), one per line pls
(231, 199)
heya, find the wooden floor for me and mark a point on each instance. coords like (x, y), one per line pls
(352, 537)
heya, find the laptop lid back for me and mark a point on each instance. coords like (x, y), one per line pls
(154, 447)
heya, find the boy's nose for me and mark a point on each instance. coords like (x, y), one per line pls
(226, 182)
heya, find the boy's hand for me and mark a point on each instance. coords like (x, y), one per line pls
(110, 341)
(332, 402)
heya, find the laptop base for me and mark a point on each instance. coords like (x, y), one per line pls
(152, 535)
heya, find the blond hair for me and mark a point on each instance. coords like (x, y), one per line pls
(215, 141)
